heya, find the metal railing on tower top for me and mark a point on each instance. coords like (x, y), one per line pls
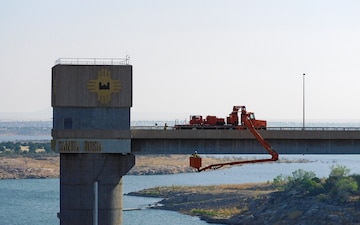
(94, 61)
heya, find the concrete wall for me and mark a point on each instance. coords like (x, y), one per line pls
(92, 118)
(91, 108)
(243, 134)
(242, 142)
(91, 86)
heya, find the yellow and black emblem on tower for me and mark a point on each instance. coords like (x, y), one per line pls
(104, 86)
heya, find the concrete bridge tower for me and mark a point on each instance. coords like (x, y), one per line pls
(91, 102)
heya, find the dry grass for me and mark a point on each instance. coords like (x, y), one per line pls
(145, 164)
(178, 160)
(24, 167)
(162, 160)
(249, 189)
(223, 213)
(214, 201)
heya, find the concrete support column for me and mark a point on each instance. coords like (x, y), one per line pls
(78, 174)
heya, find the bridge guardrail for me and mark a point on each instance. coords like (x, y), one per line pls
(94, 61)
(269, 128)
(316, 128)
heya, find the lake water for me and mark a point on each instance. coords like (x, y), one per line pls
(36, 201)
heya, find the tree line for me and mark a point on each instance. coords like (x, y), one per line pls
(25, 147)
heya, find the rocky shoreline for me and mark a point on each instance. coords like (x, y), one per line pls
(251, 204)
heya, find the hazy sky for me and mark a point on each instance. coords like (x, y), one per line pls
(192, 57)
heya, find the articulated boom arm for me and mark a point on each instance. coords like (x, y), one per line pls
(263, 142)
(195, 160)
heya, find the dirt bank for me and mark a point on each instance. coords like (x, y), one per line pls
(14, 166)
(251, 204)
(22, 167)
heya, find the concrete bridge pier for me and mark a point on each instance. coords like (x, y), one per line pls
(91, 187)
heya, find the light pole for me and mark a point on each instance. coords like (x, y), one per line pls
(303, 101)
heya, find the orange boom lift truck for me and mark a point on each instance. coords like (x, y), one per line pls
(247, 121)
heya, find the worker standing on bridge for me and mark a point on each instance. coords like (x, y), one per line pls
(165, 126)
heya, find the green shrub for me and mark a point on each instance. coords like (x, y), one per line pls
(305, 182)
(339, 187)
(280, 182)
(343, 188)
(356, 177)
(339, 171)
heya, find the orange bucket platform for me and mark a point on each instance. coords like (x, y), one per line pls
(195, 162)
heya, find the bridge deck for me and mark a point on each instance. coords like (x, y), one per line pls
(284, 141)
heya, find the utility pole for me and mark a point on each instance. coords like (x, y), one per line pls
(304, 101)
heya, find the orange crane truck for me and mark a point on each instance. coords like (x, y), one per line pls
(232, 121)
(247, 121)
